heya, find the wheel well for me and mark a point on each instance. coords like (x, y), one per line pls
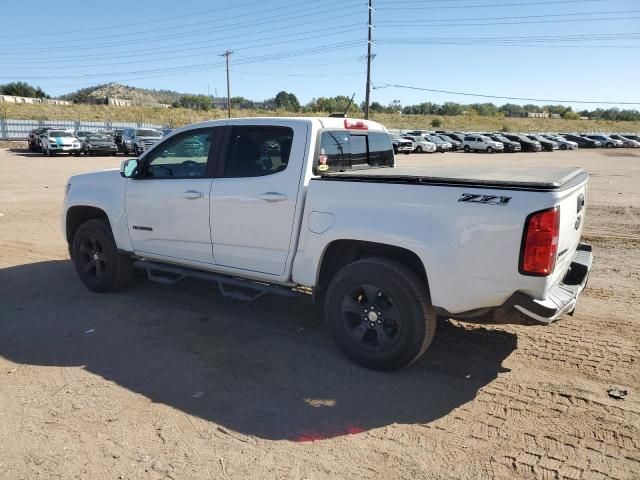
(340, 253)
(76, 216)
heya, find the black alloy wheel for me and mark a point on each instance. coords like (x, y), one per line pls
(371, 317)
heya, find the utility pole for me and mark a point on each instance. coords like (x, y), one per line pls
(369, 42)
(226, 55)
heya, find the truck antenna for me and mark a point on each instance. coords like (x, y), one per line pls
(344, 114)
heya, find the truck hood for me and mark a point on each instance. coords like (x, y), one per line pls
(100, 175)
(485, 176)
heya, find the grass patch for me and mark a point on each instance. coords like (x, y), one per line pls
(177, 117)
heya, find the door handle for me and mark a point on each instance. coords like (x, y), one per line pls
(193, 194)
(273, 197)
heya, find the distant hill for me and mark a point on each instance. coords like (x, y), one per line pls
(140, 96)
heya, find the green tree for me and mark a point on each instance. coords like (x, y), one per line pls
(196, 102)
(569, 115)
(22, 89)
(287, 101)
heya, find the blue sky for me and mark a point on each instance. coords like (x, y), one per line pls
(580, 50)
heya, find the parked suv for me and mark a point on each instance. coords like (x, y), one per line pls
(401, 145)
(35, 144)
(606, 141)
(60, 141)
(509, 145)
(547, 145)
(626, 141)
(138, 140)
(455, 143)
(583, 142)
(474, 143)
(420, 144)
(527, 144)
(441, 145)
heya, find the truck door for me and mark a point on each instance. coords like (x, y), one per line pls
(168, 205)
(255, 193)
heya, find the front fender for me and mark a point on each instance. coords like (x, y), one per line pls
(105, 191)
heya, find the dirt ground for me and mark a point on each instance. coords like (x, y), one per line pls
(178, 382)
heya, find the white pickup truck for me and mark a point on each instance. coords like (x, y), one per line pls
(290, 205)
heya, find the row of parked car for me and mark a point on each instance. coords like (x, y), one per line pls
(423, 141)
(51, 141)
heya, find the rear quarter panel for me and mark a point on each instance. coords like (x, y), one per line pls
(470, 251)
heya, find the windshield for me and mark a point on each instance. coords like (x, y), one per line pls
(102, 138)
(486, 139)
(434, 139)
(148, 133)
(58, 133)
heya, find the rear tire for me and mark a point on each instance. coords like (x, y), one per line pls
(399, 328)
(99, 264)
(467, 149)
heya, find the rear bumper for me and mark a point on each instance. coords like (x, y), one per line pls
(564, 296)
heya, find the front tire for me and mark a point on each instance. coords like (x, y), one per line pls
(99, 264)
(563, 147)
(380, 314)
(419, 149)
(489, 149)
(609, 145)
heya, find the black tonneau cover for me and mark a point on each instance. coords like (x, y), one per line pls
(509, 178)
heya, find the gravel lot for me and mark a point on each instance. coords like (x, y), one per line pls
(178, 382)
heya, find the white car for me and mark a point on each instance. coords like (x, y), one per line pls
(60, 141)
(627, 142)
(562, 142)
(481, 143)
(421, 144)
(316, 207)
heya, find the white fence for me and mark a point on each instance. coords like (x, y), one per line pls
(19, 129)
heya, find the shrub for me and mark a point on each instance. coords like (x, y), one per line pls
(569, 115)
(437, 122)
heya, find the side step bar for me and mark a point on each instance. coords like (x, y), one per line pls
(231, 287)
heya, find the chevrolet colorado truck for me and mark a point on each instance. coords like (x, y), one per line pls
(316, 205)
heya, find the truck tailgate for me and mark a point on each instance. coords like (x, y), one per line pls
(572, 203)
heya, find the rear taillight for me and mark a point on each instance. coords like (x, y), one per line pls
(540, 243)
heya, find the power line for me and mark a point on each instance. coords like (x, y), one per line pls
(526, 22)
(136, 24)
(253, 44)
(408, 87)
(205, 66)
(309, 12)
(525, 4)
(516, 17)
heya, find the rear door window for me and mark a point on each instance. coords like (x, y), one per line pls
(342, 150)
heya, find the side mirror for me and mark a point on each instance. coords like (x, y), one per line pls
(129, 168)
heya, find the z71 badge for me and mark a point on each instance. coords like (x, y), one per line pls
(484, 199)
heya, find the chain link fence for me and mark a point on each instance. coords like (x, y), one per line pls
(19, 129)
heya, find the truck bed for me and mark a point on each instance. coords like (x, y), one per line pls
(509, 178)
